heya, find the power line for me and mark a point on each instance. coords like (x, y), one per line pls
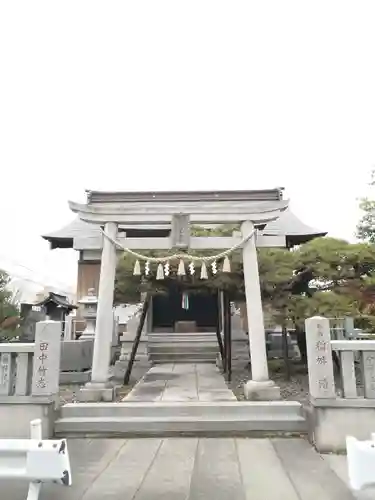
(44, 285)
(15, 263)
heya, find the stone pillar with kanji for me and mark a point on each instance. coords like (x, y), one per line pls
(46, 361)
(319, 358)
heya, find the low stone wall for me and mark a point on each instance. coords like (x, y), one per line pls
(16, 415)
(331, 421)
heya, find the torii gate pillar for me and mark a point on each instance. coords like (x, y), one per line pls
(99, 388)
(259, 387)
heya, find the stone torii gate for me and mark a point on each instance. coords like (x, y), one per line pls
(252, 209)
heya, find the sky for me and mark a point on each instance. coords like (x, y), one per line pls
(174, 95)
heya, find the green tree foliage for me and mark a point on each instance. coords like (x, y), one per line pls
(343, 274)
(8, 309)
(366, 225)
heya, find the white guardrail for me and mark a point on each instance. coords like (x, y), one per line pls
(361, 462)
(35, 460)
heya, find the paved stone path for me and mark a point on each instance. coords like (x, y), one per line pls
(182, 382)
(196, 469)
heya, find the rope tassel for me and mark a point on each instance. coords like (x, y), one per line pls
(137, 268)
(147, 269)
(204, 275)
(167, 269)
(214, 267)
(181, 269)
(160, 272)
(226, 265)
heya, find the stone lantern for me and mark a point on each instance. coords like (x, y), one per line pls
(90, 306)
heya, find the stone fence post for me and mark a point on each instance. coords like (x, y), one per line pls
(319, 358)
(69, 327)
(46, 362)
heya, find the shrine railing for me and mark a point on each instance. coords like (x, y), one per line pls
(16, 369)
(338, 369)
(32, 369)
(356, 368)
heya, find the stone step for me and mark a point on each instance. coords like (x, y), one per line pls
(188, 353)
(178, 426)
(182, 334)
(233, 409)
(183, 342)
(182, 347)
(182, 338)
(182, 352)
(177, 351)
(179, 361)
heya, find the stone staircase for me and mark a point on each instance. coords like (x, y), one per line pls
(182, 347)
(168, 419)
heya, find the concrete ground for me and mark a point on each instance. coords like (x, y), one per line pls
(181, 383)
(196, 469)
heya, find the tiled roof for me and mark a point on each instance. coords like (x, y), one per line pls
(293, 228)
(59, 300)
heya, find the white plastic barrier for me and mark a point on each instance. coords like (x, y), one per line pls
(35, 460)
(361, 462)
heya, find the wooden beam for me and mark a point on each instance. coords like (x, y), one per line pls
(219, 327)
(227, 337)
(196, 243)
(91, 255)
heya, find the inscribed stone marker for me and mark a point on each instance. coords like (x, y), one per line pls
(5, 373)
(46, 363)
(319, 358)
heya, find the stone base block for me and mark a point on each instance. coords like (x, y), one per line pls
(262, 391)
(96, 393)
(67, 378)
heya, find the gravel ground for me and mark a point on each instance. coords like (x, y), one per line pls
(69, 393)
(295, 389)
